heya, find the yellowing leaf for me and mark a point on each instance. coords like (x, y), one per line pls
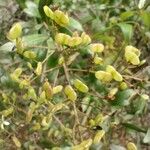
(71, 94)
(7, 112)
(81, 86)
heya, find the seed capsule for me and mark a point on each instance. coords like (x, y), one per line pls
(49, 13)
(99, 135)
(71, 94)
(57, 89)
(131, 146)
(61, 18)
(98, 60)
(116, 75)
(132, 55)
(38, 70)
(80, 86)
(15, 31)
(29, 54)
(103, 76)
(97, 47)
(48, 90)
(85, 38)
(74, 41)
(62, 38)
(123, 86)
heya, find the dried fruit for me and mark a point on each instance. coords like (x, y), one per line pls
(80, 86)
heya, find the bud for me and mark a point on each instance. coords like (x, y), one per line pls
(112, 93)
(38, 70)
(131, 146)
(15, 31)
(29, 54)
(61, 60)
(99, 119)
(61, 18)
(71, 94)
(74, 41)
(144, 96)
(98, 60)
(48, 90)
(132, 55)
(57, 89)
(7, 112)
(85, 38)
(16, 141)
(99, 135)
(123, 86)
(62, 38)
(81, 86)
(116, 75)
(49, 13)
(103, 76)
(19, 46)
(16, 74)
(24, 83)
(31, 94)
(97, 47)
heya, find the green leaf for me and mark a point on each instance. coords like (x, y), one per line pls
(134, 127)
(122, 98)
(34, 39)
(7, 47)
(147, 137)
(145, 16)
(126, 15)
(74, 24)
(127, 31)
(32, 9)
